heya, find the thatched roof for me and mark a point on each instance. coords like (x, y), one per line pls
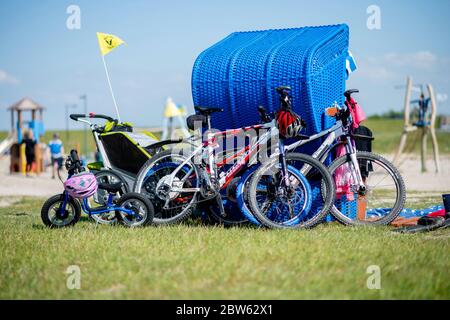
(26, 104)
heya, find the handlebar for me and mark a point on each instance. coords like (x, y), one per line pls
(283, 89)
(265, 117)
(74, 155)
(73, 163)
(348, 93)
(285, 98)
(77, 116)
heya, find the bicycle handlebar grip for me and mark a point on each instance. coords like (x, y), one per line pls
(76, 116)
(74, 155)
(100, 116)
(263, 114)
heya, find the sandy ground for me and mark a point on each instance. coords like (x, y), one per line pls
(410, 167)
(19, 185)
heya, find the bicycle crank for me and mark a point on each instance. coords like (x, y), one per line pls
(165, 186)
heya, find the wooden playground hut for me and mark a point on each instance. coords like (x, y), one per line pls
(35, 126)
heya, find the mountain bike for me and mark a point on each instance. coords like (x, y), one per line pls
(176, 181)
(370, 190)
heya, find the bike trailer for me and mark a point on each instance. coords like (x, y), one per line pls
(126, 150)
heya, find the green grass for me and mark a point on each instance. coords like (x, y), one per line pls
(387, 134)
(198, 262)
(73, 140)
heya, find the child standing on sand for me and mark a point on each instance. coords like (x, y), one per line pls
(29, 150)
(56, 152)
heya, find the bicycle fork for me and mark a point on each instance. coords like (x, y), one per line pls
(286, 182)
(282, 159)
(356, 172)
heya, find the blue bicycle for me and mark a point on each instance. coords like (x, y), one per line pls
(64, 210)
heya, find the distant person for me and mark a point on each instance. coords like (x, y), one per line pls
(45, 152)
(56, 154)
(29, 151)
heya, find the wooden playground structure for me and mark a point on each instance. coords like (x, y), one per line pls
(34, 127)
(422, 118)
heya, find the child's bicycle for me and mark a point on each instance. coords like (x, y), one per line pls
(122, 152)
(64, 210)
(370, 190)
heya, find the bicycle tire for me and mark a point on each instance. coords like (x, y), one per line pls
(139, 184)
(99, 196)
(327, 184)
(150, 211)
(58, 199)
(211, 209)
(400, 199)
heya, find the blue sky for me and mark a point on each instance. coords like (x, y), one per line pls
(42, 59)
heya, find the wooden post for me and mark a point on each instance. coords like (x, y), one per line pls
(432, 127)
(407, 101)
(13, 127)
(423, 153)
(361, 208)
(19, 118)
(38, 160)
(406, 119)
(23, 160)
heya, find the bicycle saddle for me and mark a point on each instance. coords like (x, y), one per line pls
(192, 119)
(281, 89)
(349, 92)
(111, 187)
(206, 111)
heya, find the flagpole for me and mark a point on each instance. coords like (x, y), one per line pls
(110, 88)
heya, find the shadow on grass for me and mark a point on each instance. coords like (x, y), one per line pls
(38, 226)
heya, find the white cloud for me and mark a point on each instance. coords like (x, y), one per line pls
(392, 66)
(418, 60)
(441, 97)
(7, 78)
(376, 73)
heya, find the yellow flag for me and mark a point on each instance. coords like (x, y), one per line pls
(108, 42)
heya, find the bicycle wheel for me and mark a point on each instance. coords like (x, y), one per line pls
(242, 195)
(140, 205)
(153, 181)
(232, 215)
(54, 217)
(276, 208)
(101, 196)
(384, 195)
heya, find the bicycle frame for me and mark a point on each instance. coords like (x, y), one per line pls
(110, 206)
(101, 149)
(92, 211)
(243, 157)
(336, 131)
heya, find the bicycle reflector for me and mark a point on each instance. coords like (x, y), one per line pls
(331, 111)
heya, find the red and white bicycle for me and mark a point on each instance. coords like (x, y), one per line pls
(177, 180)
